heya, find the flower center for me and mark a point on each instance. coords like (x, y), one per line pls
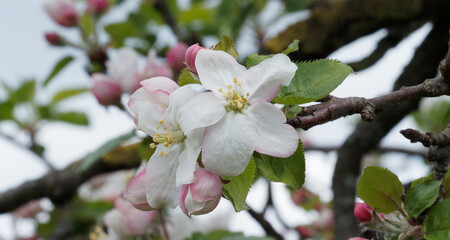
(233, 95)
(167, 137)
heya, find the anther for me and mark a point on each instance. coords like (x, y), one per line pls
(161, 154)
(161, 122)
(152, 145)
(235, 80)
(229, 86)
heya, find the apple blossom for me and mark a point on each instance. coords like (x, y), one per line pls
(236, 113)
(363, 212)
(155, 106)
(28, 210)
(97, 6)
(54, 39)
(125, 220)
(125, 69)
(203, 195)
(62, 11)
(155, 69)
(191, 54)
(106, 90)
(175, 56)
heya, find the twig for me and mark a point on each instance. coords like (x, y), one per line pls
(163, 224)
(378, 150)
(270, 231)
(428, 139)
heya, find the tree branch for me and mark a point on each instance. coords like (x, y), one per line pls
(264, 224)
(378, 150)
(59, 186)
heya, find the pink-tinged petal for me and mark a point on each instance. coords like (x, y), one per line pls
(106, 90)
(207, 186)
(187, 164)
(115, 221)
(182, 198)
(160, 83)
(147, 114)
(136, 221)
(62, 12)
(178, 99)
(275, 138)
(192, 206)
(208, 207)
(135, 192)
(201, 111)
(265, 78)
(216, 69)
(228, 145)
(124, 68)
(175, 56)
(160, 180)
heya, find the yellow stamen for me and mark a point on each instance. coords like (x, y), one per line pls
(152, 145)
(161, 122)
(161, 154)
(166, 154)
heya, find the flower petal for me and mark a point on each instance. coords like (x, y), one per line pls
(192, 206)
(125, 68)
(147, 114)
(187, 164)
(228, 145)
(160, 185)
(206, 187)
(275, 138)
(135, 192)
(160, 88)
(263, 80)
(200, 111)
(216, 69)
(177, 100)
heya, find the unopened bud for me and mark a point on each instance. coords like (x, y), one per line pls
(97, 6)
(62, 12)
(363, 212)
(304, 232)
(106, 90)
(54, 39)
(175, 56)
(191, 54)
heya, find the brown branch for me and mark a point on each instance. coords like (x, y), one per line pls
(270, 231)
(340, 107)
(428, 139)
(59, 186)
(378, 150)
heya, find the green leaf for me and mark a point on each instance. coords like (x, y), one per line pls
(380, 189)
(67, 94)
(186, 78)
(437, 222)
(72, 117)
(421, 196)
(447, 185)
(289, 170)
(237, 189)
(86, 23)
(25, 93)
(120, 31)
(60, 65)
(313, 80)
(433, 118)
(293, 47)
(226, 44)
(291, 111)
(104, 149)
(6, 110)
(255, 59)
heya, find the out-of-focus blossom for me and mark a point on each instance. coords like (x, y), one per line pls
(62, 12)
(175, 56)
(236, 112)
(302, 196)
(124, 69)
(29, 210)
(106, 90)
(191, 54)
(97, 6)
(135, 192)
(201, 196)
(304, 232)
(156, 106)
(105, 187)
(54, 39)
(125, 220)
(154, 68)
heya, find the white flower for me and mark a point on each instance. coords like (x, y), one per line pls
(236, 113)
(156, 105)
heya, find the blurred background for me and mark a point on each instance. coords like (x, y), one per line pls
(49, 117)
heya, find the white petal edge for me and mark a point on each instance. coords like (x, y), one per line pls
(275, 138)
(187, 165)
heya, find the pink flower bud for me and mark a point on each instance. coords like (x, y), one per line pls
(363, 212)
(135, 192)
(191, 53)
(304, 231)
(175, 56)
(154, 69)
(302, 196)
(358, 238)
(97, 6)
(62, 11)
(106, 90)
(203, 195)
(125, 220)
(28, 210)
(54, 39)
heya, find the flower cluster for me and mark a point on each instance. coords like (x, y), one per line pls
(226, 119)
(64, 13)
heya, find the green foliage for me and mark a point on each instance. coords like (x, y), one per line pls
(380, 189)
(447, 185)
(437, 222)
(254, 59)
(237, 189)
(421, 196)
(186, 78)
(296, 5)
(224, 235)
(433, 118)
(64, 94)
(25, 92)
(105, 148)
(72, 117)
(6, 110)
(293, 47)
(312, 81)
(120, 31)
(87, 24)
(60, 65)
(226, 44)
(291, 110)
(290, 170)
(145, 151)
